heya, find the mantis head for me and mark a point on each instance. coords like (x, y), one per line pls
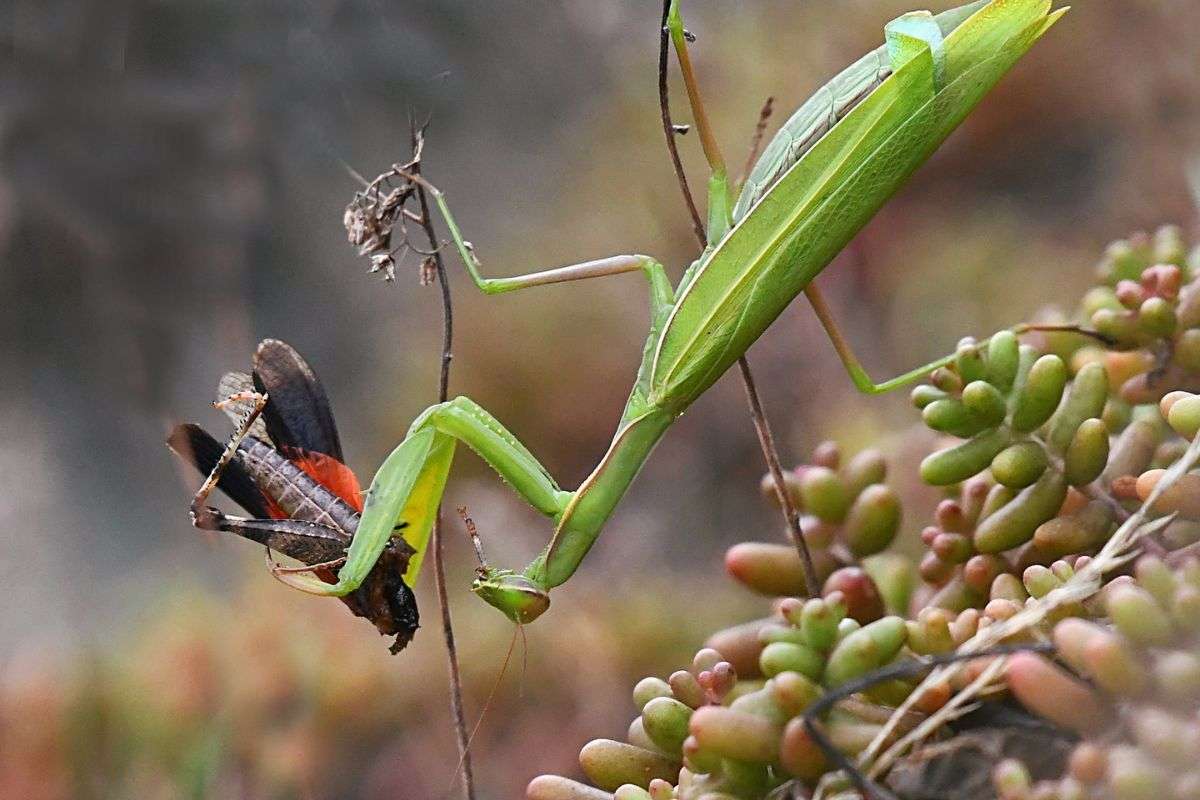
(520, 598)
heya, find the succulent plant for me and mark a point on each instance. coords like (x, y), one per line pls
(1138, 700)
(1052, 441)
(848, 513)
(706, 733)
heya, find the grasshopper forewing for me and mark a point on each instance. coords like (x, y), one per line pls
(288, 473)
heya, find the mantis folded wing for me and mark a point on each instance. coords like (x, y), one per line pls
(823, 176)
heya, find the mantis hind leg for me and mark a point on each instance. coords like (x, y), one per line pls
(863, 382)
(256, 403)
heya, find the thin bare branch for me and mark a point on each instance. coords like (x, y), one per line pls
(439, 569)
(664, 106)
(771, 454)
(758, 417)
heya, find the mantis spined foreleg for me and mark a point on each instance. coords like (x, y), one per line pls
(833, 165)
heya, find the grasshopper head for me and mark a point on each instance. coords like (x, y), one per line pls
(518, 597)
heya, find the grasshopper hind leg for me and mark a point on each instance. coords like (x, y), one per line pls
(257, 402)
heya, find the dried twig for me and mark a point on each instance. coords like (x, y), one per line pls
(900, 670)
(760, 130)
(434, 258)
(664, 107)
(373, 215)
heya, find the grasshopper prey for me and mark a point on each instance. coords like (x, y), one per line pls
(304, 501)
(823, 176)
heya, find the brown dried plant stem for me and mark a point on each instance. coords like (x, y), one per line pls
(439, 566)
(761, 426)
(900, 670)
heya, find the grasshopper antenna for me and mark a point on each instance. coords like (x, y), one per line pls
(355, 174)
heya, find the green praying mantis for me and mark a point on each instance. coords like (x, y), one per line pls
(827, 171)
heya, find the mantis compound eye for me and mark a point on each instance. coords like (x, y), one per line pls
(518, 597)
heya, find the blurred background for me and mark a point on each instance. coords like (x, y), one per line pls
(172, 180)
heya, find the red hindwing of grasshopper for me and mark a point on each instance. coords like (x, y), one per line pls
(288, 474)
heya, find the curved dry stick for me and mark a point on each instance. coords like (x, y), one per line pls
(664, 107)
(439, 567)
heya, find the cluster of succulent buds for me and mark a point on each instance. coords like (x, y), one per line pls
(1051, 443)
(1148, 308)
(1138, 702)
(1030, 435)
(847, 514)
(708, 733)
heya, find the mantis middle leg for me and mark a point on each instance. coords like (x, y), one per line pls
(662, 295)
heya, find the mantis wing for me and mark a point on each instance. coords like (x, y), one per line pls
(823, 199)
(822, 111)
(298, 414)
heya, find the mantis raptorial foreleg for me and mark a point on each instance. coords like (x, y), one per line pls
(408, 488)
